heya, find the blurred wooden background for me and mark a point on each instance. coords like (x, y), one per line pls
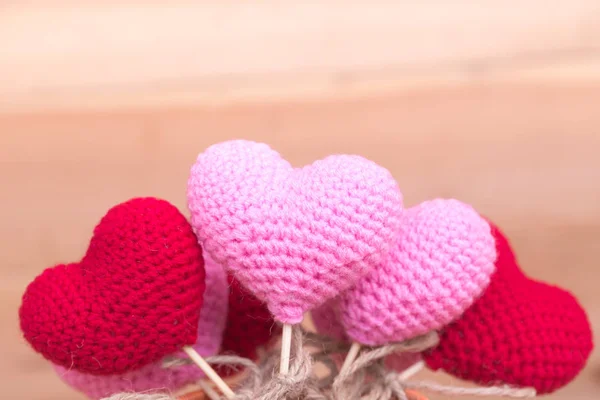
(496, 103)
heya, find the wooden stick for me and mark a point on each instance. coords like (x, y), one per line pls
(209, 372)
(208, 390)
(352, 353)
(286, 347)
(412, 370)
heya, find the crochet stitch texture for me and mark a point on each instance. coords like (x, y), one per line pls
(443, 259)
(293, 237)
(134, 297)
(520, 332)
(156, 377)
(250, 325)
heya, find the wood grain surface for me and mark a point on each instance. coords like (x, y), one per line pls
(87, 54)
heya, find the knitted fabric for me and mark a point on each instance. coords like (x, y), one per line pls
(250, 325)
(294, 237)
(442, 261)
(520, 332)
(156, 377)
(134, 297)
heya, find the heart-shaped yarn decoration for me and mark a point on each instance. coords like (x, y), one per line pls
(294, 237)
(160, 377)
(250, 325)
(520, 332)
(134, 297)
(443, 259)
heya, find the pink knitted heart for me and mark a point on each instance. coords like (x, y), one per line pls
(294, 237)
(155, 376)
(443, 260)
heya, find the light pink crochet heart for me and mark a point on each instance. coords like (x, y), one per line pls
(443, 259)
(294, 237)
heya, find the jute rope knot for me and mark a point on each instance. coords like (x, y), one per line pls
(366, 379)
(299, 383)
(351, 383)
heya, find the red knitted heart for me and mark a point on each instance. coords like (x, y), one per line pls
(134, 298)
(250, 324)
(520, 332)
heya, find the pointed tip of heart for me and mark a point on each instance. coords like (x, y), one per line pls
(134, 297)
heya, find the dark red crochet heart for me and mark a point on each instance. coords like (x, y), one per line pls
(521, 332)
(250, 324)
(134, 298)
